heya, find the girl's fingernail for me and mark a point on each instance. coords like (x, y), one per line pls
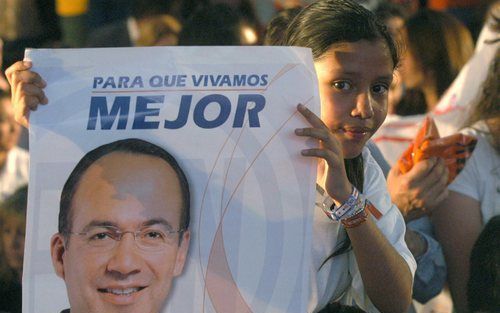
(299, 131)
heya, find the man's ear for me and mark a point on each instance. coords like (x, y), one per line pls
(57, 249)
(182, 253)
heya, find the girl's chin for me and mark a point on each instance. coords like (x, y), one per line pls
(352, 151)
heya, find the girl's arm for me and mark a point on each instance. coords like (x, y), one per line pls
(457, 224)
(386, 275)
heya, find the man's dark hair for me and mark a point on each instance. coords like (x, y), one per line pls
(132, 146)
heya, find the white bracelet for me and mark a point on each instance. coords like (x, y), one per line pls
(352, 206)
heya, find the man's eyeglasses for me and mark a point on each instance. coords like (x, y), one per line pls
(151, 238)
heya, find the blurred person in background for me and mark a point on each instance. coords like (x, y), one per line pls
(103, 12)
(437, 46)
(419, 190)
(4, 84)
(474, 196)
(393, 16)
(483, 287)
(469, 12)
(217, 25)
(12, 231)
(128, 33)
(276, 27)
(14, 161)
(26, 23)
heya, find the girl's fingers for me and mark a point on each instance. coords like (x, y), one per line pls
(312, 118)
(317, 152)
(320, 134)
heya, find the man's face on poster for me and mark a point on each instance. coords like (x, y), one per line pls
(115, 258)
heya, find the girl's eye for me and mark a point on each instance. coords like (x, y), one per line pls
(380, 89)
(342, 85)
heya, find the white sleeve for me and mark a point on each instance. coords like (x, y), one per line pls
(391, 224)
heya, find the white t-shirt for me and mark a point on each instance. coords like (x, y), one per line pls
(15, 173)
(480, 178)
(339, 278)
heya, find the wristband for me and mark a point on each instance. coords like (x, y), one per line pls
(355, 220)
(351, 207)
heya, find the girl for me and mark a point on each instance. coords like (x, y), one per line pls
(354, 59)
(357, 258)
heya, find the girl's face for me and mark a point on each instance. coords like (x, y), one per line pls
(354, 80)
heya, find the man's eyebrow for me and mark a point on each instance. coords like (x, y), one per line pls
(97, 223)
(103, 223)
(155, 221)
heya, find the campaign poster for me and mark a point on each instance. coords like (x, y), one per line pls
(107, 226)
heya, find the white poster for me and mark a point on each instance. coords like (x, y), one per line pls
(123, 243)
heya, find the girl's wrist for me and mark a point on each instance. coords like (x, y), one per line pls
(351, 212)
(342, 195)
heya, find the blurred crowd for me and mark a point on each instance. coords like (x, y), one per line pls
(449, 71)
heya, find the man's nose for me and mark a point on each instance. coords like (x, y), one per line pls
(364, 106)
(125, 257)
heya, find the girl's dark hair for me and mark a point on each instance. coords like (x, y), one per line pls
(325, 23)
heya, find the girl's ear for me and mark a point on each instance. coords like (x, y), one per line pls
(57, 249)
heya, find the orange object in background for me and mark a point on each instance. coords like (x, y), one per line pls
(454, 149)
(68, 8)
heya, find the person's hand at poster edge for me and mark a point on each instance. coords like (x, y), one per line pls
(27, 90)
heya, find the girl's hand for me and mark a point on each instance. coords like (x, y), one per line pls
(27, 90)
(336, 184)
